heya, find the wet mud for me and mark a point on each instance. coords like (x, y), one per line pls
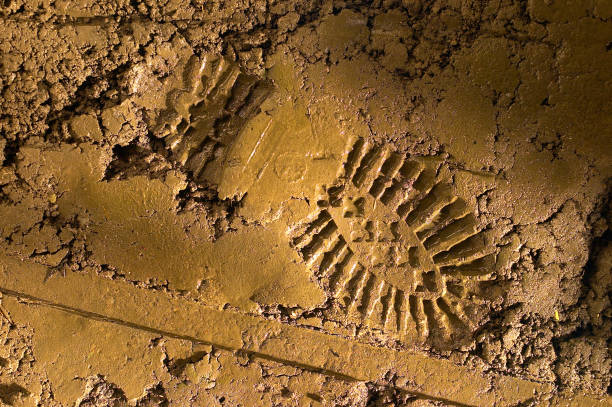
(305, 202)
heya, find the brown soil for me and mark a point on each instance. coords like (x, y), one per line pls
(305, 202)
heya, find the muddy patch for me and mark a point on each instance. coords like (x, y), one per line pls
(364, 187)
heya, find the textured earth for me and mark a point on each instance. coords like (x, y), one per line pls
(305, 203)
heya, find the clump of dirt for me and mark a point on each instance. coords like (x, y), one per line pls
(584, 354)
(101, 393)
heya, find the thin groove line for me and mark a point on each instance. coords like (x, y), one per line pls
(103, 318)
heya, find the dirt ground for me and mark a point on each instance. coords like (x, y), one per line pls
(305, 203)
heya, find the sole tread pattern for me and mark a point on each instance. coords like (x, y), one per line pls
(399, 267)
(205, 117)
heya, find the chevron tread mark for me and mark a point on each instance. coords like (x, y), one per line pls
(395, 247)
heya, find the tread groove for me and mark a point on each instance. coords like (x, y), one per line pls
(353, 158)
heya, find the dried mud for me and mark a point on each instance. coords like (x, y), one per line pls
(305, 202)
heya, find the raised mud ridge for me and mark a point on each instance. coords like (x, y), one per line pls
(206, 115)
(398, 252)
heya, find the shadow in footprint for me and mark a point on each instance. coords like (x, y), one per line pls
(9, 392)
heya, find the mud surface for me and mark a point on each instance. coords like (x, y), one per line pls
(314, 203)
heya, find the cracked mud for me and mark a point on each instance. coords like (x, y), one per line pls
(305, 202)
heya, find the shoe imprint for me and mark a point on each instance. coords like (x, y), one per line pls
(396, 249)
(207, 115)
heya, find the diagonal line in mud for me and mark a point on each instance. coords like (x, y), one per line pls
(102, 318)
(156, 312)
